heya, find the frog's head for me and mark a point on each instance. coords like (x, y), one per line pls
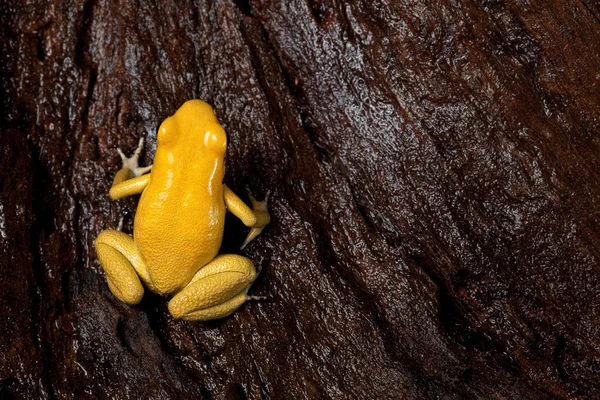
(194, 125)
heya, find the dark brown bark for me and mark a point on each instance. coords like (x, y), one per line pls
(436, 196)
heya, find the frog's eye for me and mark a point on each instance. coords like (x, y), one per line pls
(215, 139)
(162, 134)
(165, 132)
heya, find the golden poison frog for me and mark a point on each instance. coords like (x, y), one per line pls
(178, 225)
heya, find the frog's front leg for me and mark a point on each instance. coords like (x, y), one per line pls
(123, 266)
(218, 289)
(256, 217)
(131, 178)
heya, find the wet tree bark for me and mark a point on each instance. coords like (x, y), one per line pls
(436, 195)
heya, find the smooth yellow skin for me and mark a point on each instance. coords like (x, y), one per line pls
(178, 226)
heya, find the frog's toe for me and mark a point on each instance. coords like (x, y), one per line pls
(262, 215)
(131, 163)
(254, 232)
(258, 205)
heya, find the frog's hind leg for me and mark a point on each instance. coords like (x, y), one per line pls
(123, 266)
(131, 178)
(217, 290)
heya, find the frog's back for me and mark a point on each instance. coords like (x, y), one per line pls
(180, 217)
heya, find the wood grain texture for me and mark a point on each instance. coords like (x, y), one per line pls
(435, 169)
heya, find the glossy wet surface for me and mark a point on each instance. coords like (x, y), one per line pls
(436, 188)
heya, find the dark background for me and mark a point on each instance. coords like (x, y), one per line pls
(435, 168)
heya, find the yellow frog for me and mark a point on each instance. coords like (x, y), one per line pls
(178, 226)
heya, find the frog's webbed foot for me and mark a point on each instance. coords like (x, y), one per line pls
(131, 168)
(123, 266)
(130, 179)
(262, 216)
(257, 298)
(217, 290)
(120, 226)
